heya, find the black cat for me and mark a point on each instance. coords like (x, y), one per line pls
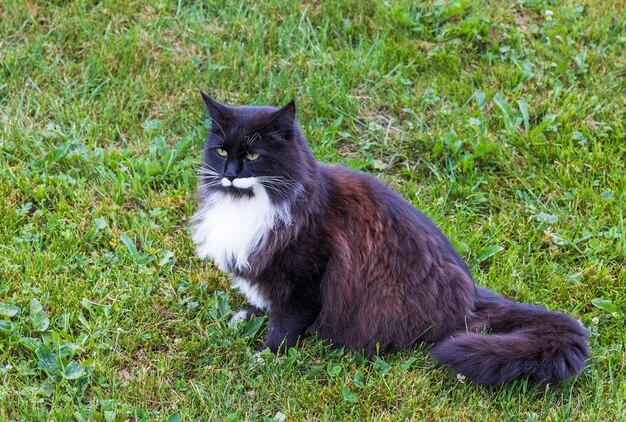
(325, 249)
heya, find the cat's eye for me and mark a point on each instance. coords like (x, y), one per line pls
(222, 152)
(252, 156)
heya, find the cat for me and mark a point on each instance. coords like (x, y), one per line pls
(330, 251)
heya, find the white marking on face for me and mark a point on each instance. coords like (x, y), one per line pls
(228, 228)
(244, 182)
(225, 182)
(251, 292)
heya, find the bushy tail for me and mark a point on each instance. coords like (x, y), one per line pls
(519, 341)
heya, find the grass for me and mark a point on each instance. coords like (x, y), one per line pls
(503, 120)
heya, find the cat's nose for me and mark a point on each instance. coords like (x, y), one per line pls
(230, 170)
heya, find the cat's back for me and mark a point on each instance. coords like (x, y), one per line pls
(364, 209)
(361, 197)
(351, 185)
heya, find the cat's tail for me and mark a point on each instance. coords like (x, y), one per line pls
(517, 341)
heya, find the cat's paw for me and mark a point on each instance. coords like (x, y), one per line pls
(239, 317)
(245, 315)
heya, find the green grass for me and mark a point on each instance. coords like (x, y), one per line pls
(503, 120)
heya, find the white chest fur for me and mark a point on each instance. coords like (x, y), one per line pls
(228, 229)
(251, 292)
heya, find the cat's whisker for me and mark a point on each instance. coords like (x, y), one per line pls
(277, 183)
(208, 178)
(208, 171)
(216, 123)
(276, 178)
(207, 167)
(253, 139)
(210, 182)
(274, 188)
(277, 188)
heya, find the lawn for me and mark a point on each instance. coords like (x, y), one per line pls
(502, 120)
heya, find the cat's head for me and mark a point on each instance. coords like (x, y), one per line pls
(251, 147)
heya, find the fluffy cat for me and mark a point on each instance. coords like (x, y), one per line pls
(327, 250)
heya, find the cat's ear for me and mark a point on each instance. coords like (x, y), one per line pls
(218, 112)
(283, 120)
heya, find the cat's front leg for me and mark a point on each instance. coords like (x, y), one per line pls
(286, 327)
